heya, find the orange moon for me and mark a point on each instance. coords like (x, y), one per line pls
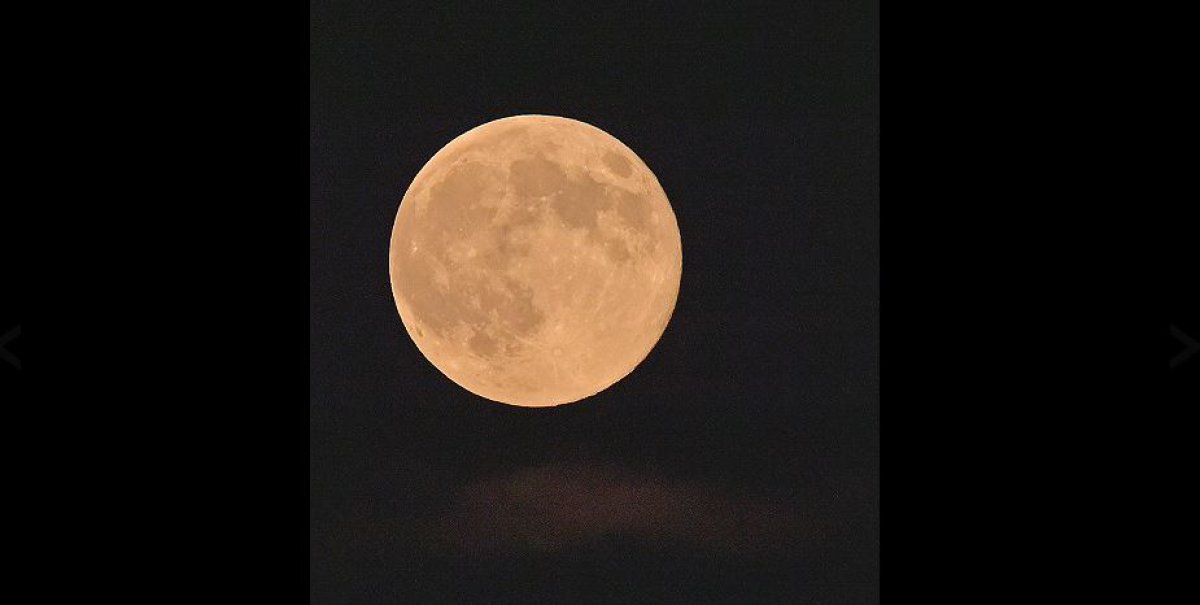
(535, 260)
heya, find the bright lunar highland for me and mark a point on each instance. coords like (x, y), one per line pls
(535, 260)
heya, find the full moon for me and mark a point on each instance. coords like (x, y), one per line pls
(535, 260)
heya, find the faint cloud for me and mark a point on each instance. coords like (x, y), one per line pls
(557, 507)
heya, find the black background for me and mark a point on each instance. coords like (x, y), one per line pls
(208, 256)
(762, 124)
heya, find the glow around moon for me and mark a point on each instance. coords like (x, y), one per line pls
(535, 260)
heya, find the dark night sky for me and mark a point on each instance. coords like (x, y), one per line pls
(201, 247)
(739, 462)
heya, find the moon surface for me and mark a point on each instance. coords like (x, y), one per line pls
(535, 260)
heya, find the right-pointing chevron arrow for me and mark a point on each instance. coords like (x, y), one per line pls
(7, 355)
(1188, 341)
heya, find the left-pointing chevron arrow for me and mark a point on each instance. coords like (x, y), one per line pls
(1188, 341)
(7, 355)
